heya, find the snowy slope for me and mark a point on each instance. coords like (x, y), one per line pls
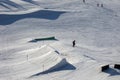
(95, 29)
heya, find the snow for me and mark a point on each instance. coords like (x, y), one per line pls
(95, 29)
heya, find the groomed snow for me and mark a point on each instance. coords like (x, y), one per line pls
(95, 29)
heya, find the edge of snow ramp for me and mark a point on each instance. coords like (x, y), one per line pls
(62, 65)
(43, 39)
(31, 1)
(6, 19)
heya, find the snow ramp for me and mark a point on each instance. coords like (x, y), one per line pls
(62, 65)
(40, 61)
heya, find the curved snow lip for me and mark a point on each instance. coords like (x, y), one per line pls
(31, 1)
(62, 65)
(6, 19)
(10, 3)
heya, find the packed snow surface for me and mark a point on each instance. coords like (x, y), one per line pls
(95, 28)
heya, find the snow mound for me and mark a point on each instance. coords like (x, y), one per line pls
(62, 65)
(35, 62)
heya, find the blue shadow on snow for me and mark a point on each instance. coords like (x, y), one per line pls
(112, 72)
(6, 19)
(67, 66)
(6, 3)
(31, 1)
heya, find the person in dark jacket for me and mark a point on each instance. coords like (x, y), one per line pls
(97, 4)
(74, 43)
(84, 1)
(101, 5)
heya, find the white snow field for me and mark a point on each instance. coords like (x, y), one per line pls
(96, 30)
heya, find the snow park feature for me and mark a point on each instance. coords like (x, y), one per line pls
(117, 66)
(106, 67)
(43, 39)
(36, 39)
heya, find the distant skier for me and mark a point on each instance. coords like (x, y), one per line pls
(98, 5)
(101, 5)
(83, 1)
(74, 43)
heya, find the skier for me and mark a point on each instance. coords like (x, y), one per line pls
(98, 5)
(101, 5)
(74, 43)
(84, 1)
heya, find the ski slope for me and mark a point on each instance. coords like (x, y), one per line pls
(95, 29)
